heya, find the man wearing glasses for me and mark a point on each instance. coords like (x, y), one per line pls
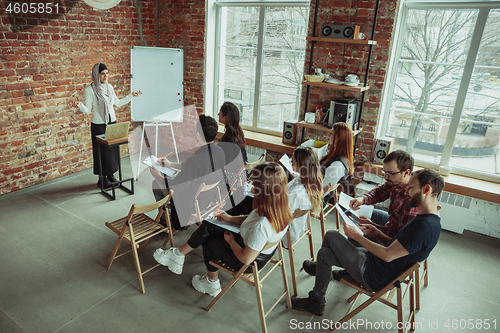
(397, 169)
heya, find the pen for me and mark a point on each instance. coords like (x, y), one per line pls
(348, 210)
(166, 155)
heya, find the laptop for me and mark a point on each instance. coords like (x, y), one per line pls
(115, 131)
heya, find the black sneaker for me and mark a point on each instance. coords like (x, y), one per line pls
(341, 274)
(309, 267)
(313, 304)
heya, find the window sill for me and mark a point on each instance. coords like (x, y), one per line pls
(265, 141)
(470, 187)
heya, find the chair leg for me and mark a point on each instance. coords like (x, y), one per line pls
(260, 304)
(322, 224)
(224, 290)
(400, 309)
(417, 288)
(285, 281)
(136, 260)
(292, 263)
(117, 246)
(311, 244)
(426, 272)
(411, 319)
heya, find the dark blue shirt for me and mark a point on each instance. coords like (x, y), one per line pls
(418, 237)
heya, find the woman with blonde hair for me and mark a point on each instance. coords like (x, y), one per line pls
(305, 190)
(267, 222)
(338, 163)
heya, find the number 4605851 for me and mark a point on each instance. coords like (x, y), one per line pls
(32, 8)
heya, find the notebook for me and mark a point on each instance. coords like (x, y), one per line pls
(115, 131)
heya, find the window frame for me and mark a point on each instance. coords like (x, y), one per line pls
(213, 38)
(484, 8)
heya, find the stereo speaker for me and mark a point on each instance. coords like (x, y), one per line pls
(344, 110)
(340, 31)
(289, 131)
(382, 149)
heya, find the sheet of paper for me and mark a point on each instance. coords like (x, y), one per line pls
(364, 210)
(348, 220)
(226, 225)
(287, 163)
(152, 161)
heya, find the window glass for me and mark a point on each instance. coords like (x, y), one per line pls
(430, 66)
(281, 57)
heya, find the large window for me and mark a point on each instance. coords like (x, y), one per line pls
(260, 52)
(443, 99)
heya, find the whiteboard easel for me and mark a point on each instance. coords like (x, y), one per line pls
(155, 124)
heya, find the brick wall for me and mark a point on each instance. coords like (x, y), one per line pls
(338, 59)
(182, 25)
(45, 62)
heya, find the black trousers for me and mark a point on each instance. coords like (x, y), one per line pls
(109, 156)
(215, 247)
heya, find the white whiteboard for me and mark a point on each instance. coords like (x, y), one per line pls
(158, 73)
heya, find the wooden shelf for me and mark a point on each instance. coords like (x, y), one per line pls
(334, 86)
(313, 126)
(265, 141)
(340, 40)
(322, 127)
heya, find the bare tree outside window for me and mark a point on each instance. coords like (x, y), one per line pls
(281, 58)
(435, 47)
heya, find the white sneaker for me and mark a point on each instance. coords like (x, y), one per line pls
(168, 258)
(204, 286)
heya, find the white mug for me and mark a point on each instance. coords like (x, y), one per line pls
(352, 78)
(317, 71)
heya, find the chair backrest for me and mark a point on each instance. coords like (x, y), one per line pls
(269, 245)
(250, 166)
(330, 188)
(299, 213)
(147, 208)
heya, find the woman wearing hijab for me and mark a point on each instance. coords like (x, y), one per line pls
(100, 97)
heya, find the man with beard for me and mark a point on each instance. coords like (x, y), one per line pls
(374, 265)
(397, 169)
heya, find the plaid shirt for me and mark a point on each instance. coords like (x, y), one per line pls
(400, 211)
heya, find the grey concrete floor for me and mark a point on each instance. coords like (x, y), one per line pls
(54, 247)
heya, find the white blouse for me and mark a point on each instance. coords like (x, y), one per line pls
(297, 199)
(257, 231)
(91, 103)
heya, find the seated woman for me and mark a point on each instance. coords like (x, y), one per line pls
(229, 115)
(268, 222)
(234, 147)
(304, 191)
(337, 164)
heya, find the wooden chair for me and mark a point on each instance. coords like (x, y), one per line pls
(308, 233)
(385, 296)
(255, 280)
(329, 207)
(200, 214)
(137, 228)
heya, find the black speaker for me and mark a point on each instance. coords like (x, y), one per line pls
(340, 31)
(382, 149)
(289, 131)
